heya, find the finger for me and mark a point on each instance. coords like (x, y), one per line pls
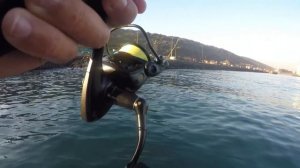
(74, 18)
(16, 62)
(120, 12)
(35, 37)
(141, 5)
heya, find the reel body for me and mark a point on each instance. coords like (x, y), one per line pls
(114, 81)
(123, 71)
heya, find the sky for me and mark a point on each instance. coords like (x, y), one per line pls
(265, 30)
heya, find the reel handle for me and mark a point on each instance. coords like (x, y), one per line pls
(6, 5)
(139, 105)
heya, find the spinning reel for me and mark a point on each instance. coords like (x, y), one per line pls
(114, 81)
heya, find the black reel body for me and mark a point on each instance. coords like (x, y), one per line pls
(124, 71)
(113, 80)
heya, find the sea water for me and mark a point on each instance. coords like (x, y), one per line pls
(196, 119)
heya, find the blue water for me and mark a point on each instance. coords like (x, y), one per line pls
(197, 118)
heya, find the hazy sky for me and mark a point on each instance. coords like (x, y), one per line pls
(265, 30)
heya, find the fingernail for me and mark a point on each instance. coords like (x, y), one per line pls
(20, 28)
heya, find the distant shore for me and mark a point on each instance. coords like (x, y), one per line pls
(81, 62)
(191, 65)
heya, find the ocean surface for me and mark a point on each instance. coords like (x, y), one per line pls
(196, 119)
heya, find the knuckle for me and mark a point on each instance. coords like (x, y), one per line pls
(75, 23)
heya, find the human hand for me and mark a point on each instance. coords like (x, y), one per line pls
(50, 30)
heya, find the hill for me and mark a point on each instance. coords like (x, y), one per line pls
(181, 49)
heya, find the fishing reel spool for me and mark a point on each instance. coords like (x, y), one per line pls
(114, 81)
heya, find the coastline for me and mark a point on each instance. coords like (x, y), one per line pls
(81, 62)
(203, 66)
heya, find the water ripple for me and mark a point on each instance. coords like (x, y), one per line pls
(195, 119)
